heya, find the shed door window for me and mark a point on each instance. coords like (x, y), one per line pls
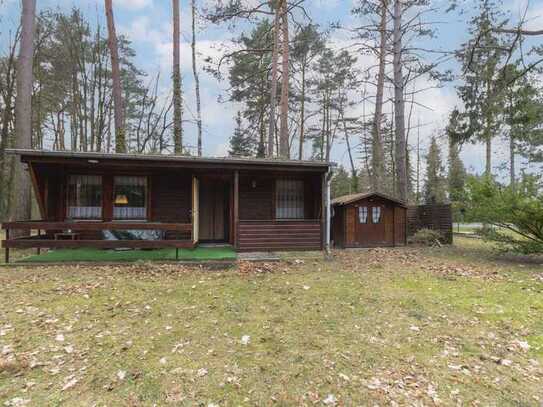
(84, 197)
(376, 214)
(130, 198)
(289, 199)
(363, 214)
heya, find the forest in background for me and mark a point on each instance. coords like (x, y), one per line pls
(300, 96)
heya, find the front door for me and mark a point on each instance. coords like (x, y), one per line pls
(213, 225)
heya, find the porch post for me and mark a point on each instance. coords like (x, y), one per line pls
(7, 248)
(236, 208)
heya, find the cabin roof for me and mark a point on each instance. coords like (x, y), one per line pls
(348, 199)
(93, 158)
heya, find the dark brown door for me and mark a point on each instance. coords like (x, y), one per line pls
(374, 225)
(213, 210)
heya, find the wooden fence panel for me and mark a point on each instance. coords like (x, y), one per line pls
(435, 217)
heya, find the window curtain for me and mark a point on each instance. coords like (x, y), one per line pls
(84, 197)
(130, 198)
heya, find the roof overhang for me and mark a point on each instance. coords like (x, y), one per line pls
(166, 161)
(349, 199)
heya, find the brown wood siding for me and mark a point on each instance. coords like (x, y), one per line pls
(171, 197)
(390, 231)
(257, 196)
(275, 235)
(338, 227)
(400, 226)
(256, 202)
(350, 222)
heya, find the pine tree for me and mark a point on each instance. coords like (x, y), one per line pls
(457, 172)
(307, 46)
(250, 82)
(241, 145)
(434, 188)
(341, 183)
(481, 90)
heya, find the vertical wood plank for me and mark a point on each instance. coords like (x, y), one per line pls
(38, 191)
(323, 209)
(149, 200)
(107, 198)
(6, 250)
(236, 209)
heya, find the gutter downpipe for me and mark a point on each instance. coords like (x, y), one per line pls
(329, 176)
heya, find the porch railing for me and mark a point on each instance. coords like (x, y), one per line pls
(67, 235)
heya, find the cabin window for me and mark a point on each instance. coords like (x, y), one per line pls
(376, 214)
(130, 198)
(363, 214)
(84, 197)
(289, 199)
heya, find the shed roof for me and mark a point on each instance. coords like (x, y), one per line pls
(348, 199)
(171, 160)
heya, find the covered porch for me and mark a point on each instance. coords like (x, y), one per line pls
(110, 201)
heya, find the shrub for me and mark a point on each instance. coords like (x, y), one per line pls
(426, 237)
(516, 212)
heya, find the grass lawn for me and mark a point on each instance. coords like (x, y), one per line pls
(95, 255)
(449, 326)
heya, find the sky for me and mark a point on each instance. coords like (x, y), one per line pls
(147, 23)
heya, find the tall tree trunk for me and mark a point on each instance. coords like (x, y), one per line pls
(302, 115)
(120, 139)
(418, 164)
(399, 102)
(284, 136)
(273, 92)
(196, 79)
(377, 152)
(7, 123)
(354, 172)
(261, 149)
(488, 154)
(488, 136)
(23, 111)
(177, 94)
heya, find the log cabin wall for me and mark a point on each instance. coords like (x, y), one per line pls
(169, 194)
(256, 197)
(170, 200)
(259, 230)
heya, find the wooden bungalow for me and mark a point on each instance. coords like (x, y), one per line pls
(368, 220)
(155, 201)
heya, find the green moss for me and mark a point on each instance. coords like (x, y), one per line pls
(111, 256)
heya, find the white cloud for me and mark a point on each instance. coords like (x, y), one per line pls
(133, 4)
(534, 13)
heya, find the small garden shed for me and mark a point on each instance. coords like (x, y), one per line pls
(368, 220)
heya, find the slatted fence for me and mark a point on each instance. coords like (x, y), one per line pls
(435, 217)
